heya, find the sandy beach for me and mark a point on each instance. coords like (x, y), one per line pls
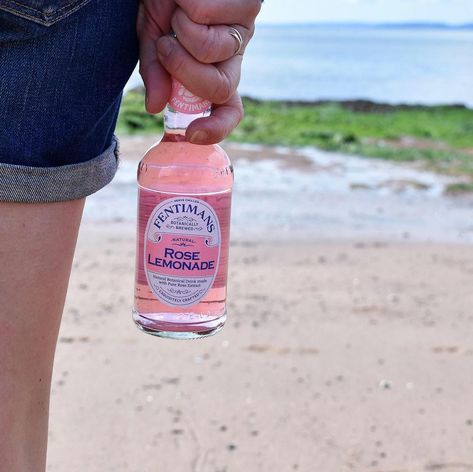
(346, 350)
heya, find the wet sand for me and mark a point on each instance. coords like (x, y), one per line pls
(338, 355)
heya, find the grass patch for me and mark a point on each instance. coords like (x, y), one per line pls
(438, 136)
(459, 188)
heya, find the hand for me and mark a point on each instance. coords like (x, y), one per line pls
(202, 57)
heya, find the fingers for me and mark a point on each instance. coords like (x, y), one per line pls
(223, 120)
(209, 44)
(217, 12)
(155, 77)
(154, 20)
(206, 58)
(214, 82)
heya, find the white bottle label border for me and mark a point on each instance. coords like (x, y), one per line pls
(182, 250)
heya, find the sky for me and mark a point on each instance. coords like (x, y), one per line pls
(307, 11)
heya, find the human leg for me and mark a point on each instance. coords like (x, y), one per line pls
(37, 243)
(62, 70)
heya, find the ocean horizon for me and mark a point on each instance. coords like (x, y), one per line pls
(369, 24)
(411, 63)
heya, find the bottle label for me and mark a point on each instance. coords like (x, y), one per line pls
(182, 250)
(186, 102)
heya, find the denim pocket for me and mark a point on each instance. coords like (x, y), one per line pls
(44, 12)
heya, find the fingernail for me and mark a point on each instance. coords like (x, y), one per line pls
(165, 46)
(200, 137)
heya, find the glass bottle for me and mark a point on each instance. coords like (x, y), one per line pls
(184, 200)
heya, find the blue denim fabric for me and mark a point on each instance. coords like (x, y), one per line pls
(63, 66)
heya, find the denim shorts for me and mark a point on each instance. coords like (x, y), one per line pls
(63, 66)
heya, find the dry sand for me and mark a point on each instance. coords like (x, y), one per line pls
(337, 356)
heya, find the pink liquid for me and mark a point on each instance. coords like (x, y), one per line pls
(175, 168)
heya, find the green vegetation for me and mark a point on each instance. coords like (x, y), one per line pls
(439, 137)
(459, 188)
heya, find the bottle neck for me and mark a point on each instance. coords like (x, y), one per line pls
(182, 109)
(176, 122)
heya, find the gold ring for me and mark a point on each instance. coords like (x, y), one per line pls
(238, 38)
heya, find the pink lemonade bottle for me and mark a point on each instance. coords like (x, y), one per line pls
(183, 229)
